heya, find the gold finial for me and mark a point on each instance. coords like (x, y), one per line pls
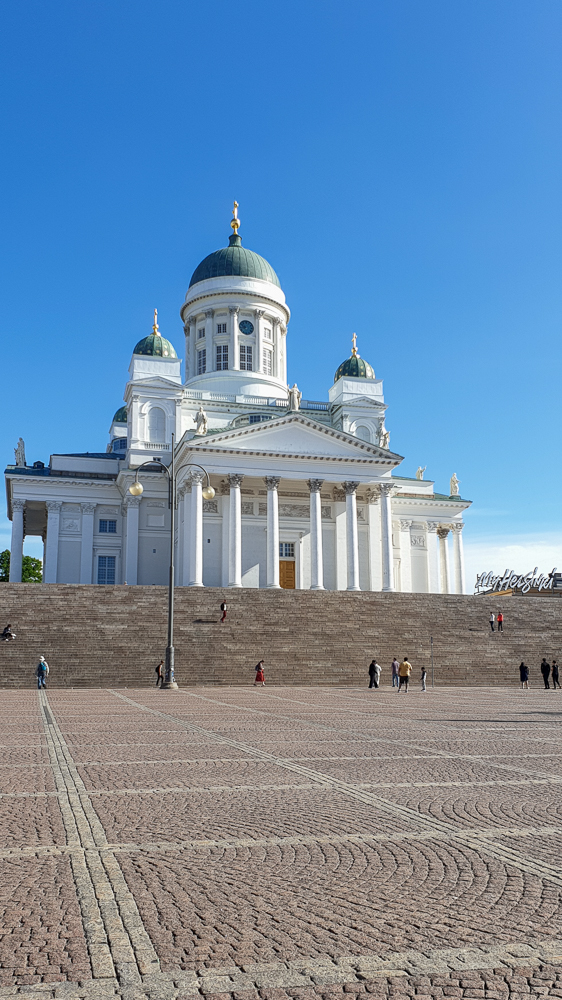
(155, 329)
(354, 353)
(235, 224)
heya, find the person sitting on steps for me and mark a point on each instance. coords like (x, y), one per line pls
(7, 634)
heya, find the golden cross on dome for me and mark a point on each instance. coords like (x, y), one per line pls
(155, 324)
(354, 348)
(235, 224)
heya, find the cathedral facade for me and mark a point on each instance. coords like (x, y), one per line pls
(307, 493)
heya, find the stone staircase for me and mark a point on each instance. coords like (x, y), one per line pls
(113, 636)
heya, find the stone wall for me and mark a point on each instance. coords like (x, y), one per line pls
(100, 636)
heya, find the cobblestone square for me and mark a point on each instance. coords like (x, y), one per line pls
(267, 844)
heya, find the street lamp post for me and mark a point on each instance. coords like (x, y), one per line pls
(136, 489)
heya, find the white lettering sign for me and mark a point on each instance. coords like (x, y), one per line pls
(514, 581)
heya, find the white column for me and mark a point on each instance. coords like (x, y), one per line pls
(185, 492)
(234, 361)
(16, 548)
(135, 422)
(272, 534)
(196, 531)
(374, 538)
(386, 538)
(52, 544)
(258, 325)
(458, 558)
(316, 553)
(433, 558)
(405, 557)
(235, 531)
(352, 538)
(444, 559)
(132, 506)
(209, 342)
(340, 543)
(87, 543)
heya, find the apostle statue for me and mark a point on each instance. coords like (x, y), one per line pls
(294, 398)
(385, 438)
(454, 486)
(420, 472)
(19, 452)
(200, 419)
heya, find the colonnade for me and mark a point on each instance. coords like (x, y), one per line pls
(190, 540)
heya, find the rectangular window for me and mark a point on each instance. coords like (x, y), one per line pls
(108, 527)
(286, 550)
(222, 357)
(200, 332)
(268, 362)
(245, 358)
(221, 327)
(267, 334)
(106, 569)
(201, 362)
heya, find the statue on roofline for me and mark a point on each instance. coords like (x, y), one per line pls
(19, 452)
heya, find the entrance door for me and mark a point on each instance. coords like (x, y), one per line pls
(287, 574)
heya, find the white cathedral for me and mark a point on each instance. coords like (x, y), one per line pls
(307, 493)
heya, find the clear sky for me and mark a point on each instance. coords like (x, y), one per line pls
(399, 164)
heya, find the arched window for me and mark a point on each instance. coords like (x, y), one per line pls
(363, 432)
(157, 424)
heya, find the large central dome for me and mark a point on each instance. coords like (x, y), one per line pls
(234, 260)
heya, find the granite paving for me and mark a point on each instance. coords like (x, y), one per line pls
(277, 843)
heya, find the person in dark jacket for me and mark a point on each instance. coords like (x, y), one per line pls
(555, 675)
(374, 674)
(524, 675)
(545, 671)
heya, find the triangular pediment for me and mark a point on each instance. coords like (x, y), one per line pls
(294, 435)
(155, 382)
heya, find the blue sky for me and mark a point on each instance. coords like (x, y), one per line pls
(397, 162)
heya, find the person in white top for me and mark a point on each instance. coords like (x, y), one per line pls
(492, 620)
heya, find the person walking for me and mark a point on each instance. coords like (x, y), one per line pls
(42, 672)
(374, 674)
(524, 676)
(555, 673)
(260, 678)
(492, 620)
(395, 672)
(159, 673)
(404, 671)
(499, 620)
(545, 671)
(423, 678)
(223, 609)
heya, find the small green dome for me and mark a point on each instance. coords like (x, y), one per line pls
(121, 416)
(155, 345)
(354, 367)
(237, 261)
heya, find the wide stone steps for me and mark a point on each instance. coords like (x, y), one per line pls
(95, 636)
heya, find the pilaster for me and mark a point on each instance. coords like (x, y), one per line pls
(52, 543)
(87, 542)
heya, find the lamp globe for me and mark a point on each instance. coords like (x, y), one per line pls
(208, 493)
(135, 489)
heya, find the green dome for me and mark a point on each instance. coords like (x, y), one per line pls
(156, 347)
(237, 261)
(354, 367)
(121, 416)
